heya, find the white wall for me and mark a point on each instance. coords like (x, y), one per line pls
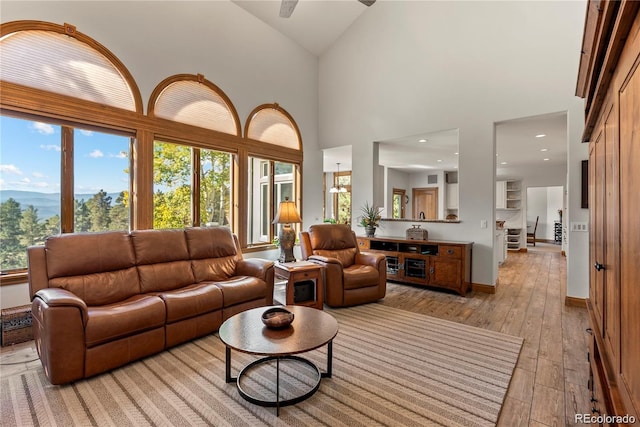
(250, 61)
(544, 202)
(409, 67)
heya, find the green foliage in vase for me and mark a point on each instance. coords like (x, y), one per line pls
(371, 215)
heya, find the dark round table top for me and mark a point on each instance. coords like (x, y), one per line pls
(311, 328)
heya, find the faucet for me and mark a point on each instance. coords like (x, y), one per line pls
(421, 215)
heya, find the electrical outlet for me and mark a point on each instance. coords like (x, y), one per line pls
(579, 226)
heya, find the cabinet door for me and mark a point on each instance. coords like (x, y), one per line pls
(501, 194)
(446, 272)
(416, 269)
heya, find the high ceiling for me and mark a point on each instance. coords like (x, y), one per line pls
(316, 25)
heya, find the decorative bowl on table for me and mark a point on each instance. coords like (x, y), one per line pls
(277, 318)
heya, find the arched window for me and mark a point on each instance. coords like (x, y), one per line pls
(271, 180)
(192, 183)
(67, 108)
(59, 59)
(193, 100)
(270, 123)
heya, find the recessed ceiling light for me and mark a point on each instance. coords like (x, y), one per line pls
(544, 149)
(503, 163)
(422, 140)
(541, 135)
(439, 161)
(456, 153)
(546, 160)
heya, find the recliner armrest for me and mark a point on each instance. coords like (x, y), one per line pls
(369, 258)
(319, 259)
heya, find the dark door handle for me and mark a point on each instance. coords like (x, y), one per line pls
(598, 266)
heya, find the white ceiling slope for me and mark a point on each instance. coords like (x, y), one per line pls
(315, 24)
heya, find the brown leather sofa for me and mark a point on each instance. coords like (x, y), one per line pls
(102, 300)
(351, 277)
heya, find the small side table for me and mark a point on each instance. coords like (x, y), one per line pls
(301, 273)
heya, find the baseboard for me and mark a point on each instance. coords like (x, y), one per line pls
(575, 302)
(487, 289)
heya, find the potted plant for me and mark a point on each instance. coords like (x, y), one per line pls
(370, 218)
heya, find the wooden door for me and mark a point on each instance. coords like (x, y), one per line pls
(629, 111)
(611, 236)
(596, 241)
(425, 200)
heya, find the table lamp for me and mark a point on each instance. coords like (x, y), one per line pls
(287, 214)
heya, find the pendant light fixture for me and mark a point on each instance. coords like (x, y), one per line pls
(339, 188)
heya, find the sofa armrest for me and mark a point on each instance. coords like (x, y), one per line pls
(59, 320)
(57, 297)
(262, 269)
(255, 267)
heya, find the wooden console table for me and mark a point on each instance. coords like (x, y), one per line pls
(439, 264)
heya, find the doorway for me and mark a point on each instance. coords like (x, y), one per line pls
(425, 202)
(545, 204)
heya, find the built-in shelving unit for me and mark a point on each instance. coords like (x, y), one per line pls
(508, 207)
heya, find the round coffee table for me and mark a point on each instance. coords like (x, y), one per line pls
(245, 332)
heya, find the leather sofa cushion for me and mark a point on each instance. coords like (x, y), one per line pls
(213, 252)
(334, 241)
(157, 246)
(101, 288)
(331, 237)
(87, 253)
(134, 315)
(241, 289)
(165, 276)
(163, 259)
(192, 301)
(359, 276)
(214, 269)
(210, 242)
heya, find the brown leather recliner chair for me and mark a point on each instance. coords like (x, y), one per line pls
(351, 277)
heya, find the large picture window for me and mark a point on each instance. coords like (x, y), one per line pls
(178, 195)
(34, 178)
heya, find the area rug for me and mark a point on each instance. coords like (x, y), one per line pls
(390, 368)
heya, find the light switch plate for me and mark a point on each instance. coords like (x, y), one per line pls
(579, 226)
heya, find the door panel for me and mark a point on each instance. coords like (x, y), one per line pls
(630, 236)
(425, 200)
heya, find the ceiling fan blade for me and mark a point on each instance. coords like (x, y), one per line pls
(367, 2)
(286, 8)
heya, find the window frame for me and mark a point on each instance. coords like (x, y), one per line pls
(35, 104)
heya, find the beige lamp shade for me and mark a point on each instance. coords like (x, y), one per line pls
(287, 213)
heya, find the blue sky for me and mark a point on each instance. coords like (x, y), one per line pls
(30, 158)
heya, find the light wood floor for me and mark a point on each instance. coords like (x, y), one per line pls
(549, 384)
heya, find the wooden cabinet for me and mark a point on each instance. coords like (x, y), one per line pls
(609, 79)
(424, 262)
